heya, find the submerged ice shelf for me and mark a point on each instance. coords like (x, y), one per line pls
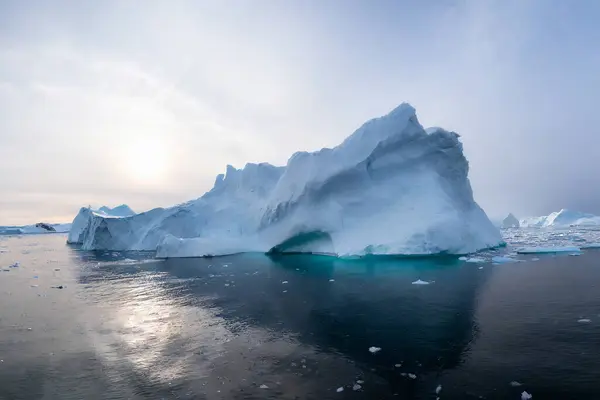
(390, 188)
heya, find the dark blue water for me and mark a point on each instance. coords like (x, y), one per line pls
(128, 327)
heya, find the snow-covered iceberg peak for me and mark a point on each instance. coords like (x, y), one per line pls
(390, 188)
(510, 221)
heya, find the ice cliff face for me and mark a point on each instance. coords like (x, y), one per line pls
(510, 221)
(83, 221)
(389, 188)
(562, 218)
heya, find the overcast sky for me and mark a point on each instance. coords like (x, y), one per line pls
(144, 102)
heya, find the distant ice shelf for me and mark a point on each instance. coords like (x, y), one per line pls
(391, 187)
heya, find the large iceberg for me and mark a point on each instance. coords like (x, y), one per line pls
(390, 188)
(562, 218)
(82, 221)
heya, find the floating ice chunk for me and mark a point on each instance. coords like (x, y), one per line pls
(590, 246)
(574, 254)
(263, 386)
(438, 389)
(526, 396)
(412, 376)
(503, 260)
(584, 320)
(340, 389)
(463, 258)
(546, 250)
(284, 282)
(397, 365)
(475, 260)
(360, 382)
(535, 259)
(374, 349)
(332, 280)
(480, 267)
(420, 282)
(515, 384)
(356, 387)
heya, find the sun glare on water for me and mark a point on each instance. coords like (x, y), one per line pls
(146, 161)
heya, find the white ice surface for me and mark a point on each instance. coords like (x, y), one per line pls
(420, 282)
(545, 250)
(475, 260)
(526, 396)
(389, 188)
(562, 218)
(503, 260)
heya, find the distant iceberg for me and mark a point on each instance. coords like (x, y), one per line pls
(510, 222)
(562, 218)
(390, 188)
(40, 227)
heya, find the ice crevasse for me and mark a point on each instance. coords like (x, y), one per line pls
(391, 187)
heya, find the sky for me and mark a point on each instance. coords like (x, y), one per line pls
(144, 102)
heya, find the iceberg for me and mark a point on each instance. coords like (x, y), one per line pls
(562, 218)
(510, 222)
(82, 221)
(390, 188)
(40, 227)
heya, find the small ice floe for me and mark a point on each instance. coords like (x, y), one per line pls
(356, 387)
(549, 250)
(584, 320)
(535, 259)
(227, 284)
(412, 376)
(332, 280)
(285, 291)
(590, 246)
(574, 254)
(480, 268)
(476, 260)
(263, 386)
(360, 382)
(438, 389)
(284, 282)
(397, 365)
(374, 349)
(340, 389)
(503, 260)
(463, 258)
(403, 374)
(515, 384)
(420, 282)
(525, 396)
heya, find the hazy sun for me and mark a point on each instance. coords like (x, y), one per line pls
(146, 161)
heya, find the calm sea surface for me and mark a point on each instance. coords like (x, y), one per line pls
(125, 326)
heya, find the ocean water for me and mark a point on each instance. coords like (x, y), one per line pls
(104, 325)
